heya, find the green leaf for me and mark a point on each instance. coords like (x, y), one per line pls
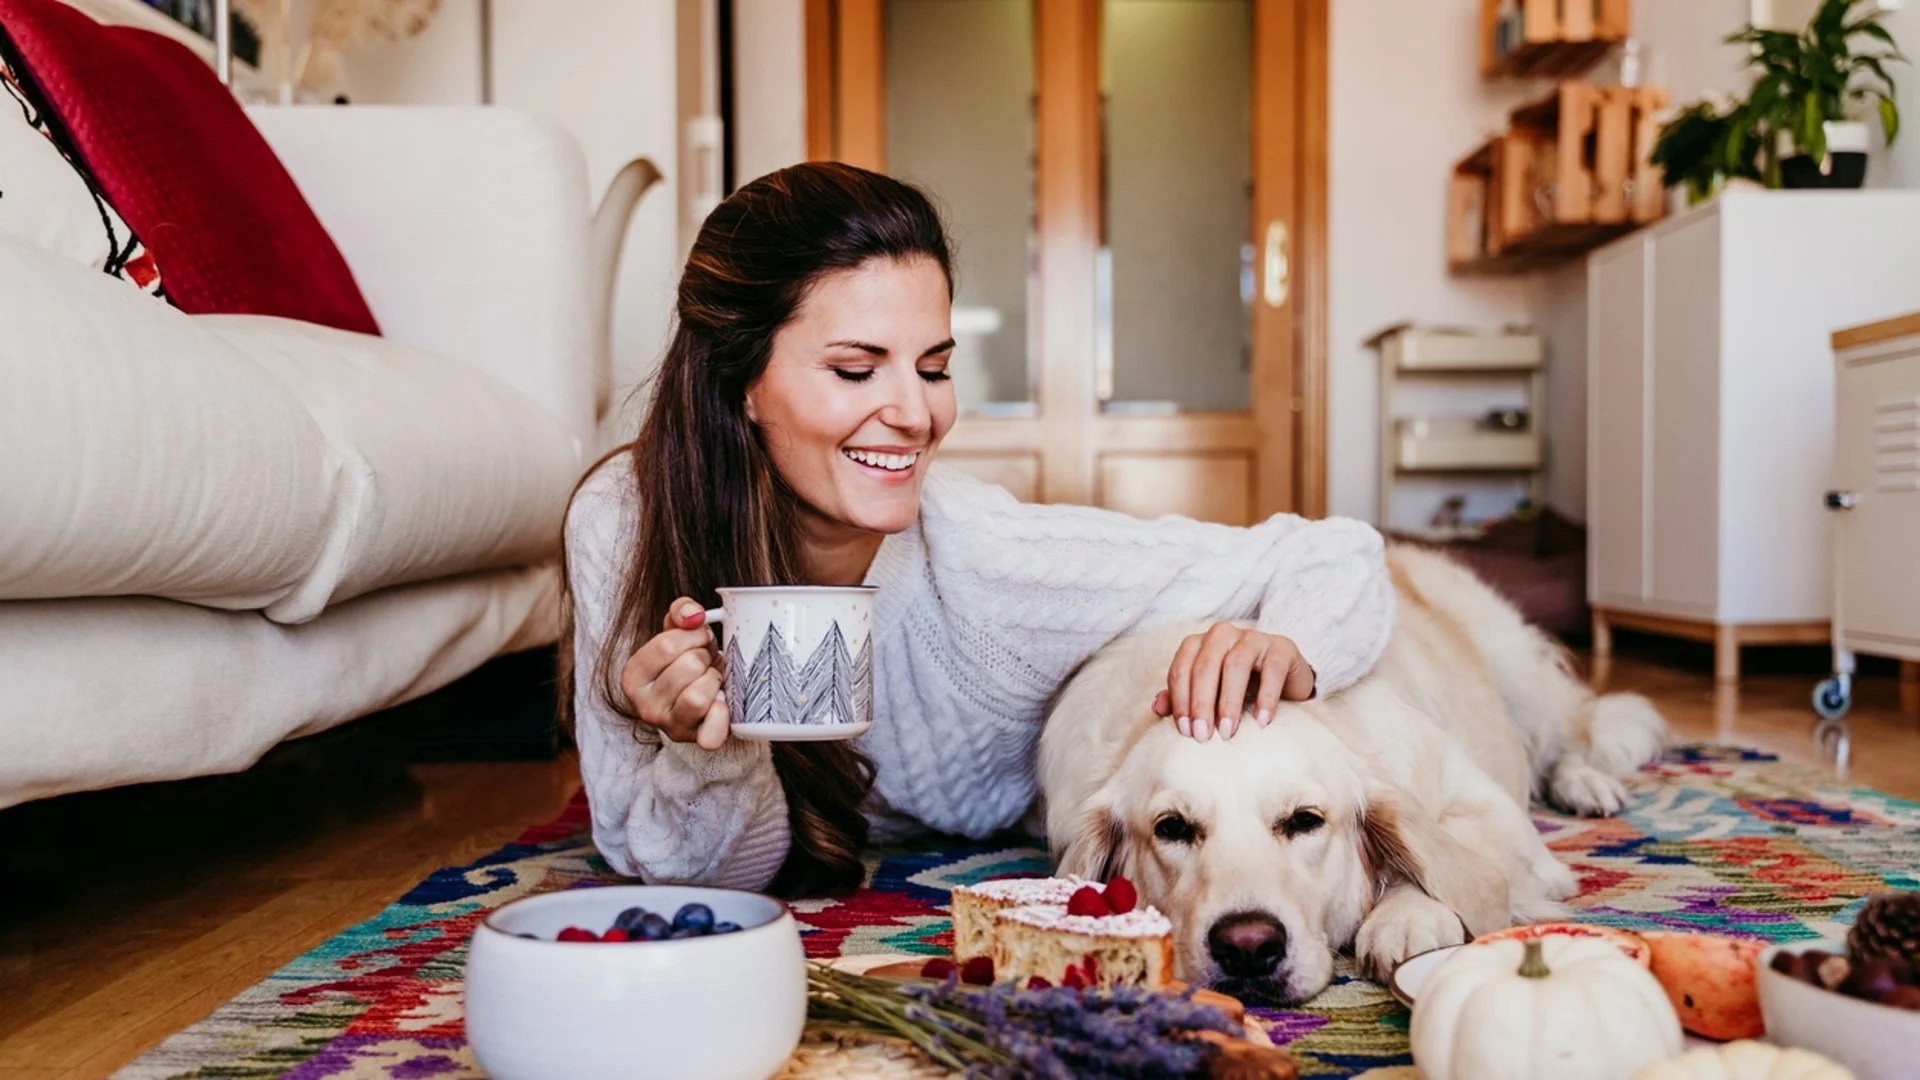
(1813, 132)
(1889, 118)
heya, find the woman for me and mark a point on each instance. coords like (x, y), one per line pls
(791, 440)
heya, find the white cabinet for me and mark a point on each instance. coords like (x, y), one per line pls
(1710, 408)
(1876, 496)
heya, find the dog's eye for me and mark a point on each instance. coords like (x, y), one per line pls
(1175, 829)
(1302, 822)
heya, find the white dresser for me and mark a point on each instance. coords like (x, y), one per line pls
(1874, 502)
(1710, 409)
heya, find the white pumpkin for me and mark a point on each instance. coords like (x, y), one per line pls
(1553, 1008)
(1746, 1060)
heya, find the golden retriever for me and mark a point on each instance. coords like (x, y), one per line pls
(1391, 817)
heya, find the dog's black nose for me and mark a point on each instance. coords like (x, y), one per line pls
(1248, 945)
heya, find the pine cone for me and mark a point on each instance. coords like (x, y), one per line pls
(1888, 927)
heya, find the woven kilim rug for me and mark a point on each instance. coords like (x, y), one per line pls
(1716, 839)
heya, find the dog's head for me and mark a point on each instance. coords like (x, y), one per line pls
(1266, 851)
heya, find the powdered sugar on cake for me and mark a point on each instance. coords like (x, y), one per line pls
(1029, 892)
(1140, 923)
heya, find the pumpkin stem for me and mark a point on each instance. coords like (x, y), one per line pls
(1533, 965)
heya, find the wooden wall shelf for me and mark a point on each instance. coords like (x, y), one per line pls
(1550, 38)
(1568, 175)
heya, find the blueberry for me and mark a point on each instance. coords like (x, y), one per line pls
(726, 927)
(695, 917)
(653, 927)
(630, 918)
(686, 932)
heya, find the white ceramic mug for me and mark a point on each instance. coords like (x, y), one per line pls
(799, 661)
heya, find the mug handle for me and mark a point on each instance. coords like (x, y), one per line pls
(716, 616)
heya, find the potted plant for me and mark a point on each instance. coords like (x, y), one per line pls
(1692, 149)
(1811, 86)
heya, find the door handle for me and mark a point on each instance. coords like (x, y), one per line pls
(1274, 265)
(1840, 500)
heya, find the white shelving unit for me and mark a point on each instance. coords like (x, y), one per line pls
(1458, 445)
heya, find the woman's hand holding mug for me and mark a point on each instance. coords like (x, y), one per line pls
(674, 681)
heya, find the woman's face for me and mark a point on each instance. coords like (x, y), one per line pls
(855, 396)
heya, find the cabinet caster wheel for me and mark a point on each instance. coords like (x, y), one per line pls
(1833, 697)
(1835, 743)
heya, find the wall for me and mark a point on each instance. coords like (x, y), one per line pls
(1405, 102)
(770, 86)
(605, 70)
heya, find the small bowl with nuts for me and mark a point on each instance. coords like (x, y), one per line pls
(1856, 1001)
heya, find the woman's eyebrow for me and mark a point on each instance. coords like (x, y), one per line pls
(940, 348)
(863, 346)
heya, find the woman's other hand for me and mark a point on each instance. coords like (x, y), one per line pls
(673, 682)
(1213, 672)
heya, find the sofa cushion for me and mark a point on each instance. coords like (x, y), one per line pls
(178, 158)
(47, 200)
(144, 455)
(445, 469)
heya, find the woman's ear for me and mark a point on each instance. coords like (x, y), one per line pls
(1400, 843)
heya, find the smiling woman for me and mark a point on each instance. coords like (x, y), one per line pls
(791, 441)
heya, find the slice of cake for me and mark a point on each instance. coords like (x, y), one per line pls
(1098, 938)
(975, 906)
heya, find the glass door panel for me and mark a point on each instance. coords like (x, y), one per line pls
(1176, 273)
(960, 123)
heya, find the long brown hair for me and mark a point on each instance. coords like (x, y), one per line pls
(712, 509)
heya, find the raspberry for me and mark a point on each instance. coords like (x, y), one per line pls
(1122, 897)
(615, 934)
(937, 968)
(1091, 967)
(1038, 983)
(575, 933)
(1087, 901)
(1073, 980)
(978, 972)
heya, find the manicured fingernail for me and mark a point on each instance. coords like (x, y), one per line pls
(1202, 730)
(1184, 725)
(1229, 725)
(1264, 717)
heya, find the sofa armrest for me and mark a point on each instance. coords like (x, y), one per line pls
(467, 230)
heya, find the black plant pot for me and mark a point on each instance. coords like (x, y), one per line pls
(1801, 171)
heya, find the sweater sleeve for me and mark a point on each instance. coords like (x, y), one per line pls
(664, 812)
(1063, 581)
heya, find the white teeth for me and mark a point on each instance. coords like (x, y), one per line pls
(889, 462)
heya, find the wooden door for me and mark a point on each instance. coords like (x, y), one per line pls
(1082, 100)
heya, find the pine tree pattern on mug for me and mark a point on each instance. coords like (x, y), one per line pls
(832, 687)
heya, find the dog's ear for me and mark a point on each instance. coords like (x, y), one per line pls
(1399, 844)
(1095, 845)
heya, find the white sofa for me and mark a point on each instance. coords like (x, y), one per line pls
(220, 532)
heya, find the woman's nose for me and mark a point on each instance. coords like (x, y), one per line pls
(908, 410)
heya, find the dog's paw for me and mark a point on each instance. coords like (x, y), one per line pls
(1579, 788)
(1404, 924)
(1557, 879)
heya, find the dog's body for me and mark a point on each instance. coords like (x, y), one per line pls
(1392, 815)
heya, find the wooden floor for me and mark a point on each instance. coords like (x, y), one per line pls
(129, 916)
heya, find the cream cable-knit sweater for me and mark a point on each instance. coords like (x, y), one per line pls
(986, 606)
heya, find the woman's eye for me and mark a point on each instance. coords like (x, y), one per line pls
(941, 375)
(854, 374)
(1175, 829)
(1302, 822)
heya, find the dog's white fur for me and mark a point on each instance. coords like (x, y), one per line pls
(1422, 772)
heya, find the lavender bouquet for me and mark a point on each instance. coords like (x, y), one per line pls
(1060, 1033)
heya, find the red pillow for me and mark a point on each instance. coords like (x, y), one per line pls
(175, 154)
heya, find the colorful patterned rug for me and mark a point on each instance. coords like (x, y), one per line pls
(1720, 839)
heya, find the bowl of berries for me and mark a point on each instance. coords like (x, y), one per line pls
(636, 980)
(1856, 1001)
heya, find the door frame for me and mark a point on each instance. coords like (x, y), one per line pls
(846, 121)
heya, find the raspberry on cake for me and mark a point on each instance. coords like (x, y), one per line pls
(1131, 949)
(974, 908)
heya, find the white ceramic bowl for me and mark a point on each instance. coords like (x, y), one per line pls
(726, 1007)
(1878, 1042)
